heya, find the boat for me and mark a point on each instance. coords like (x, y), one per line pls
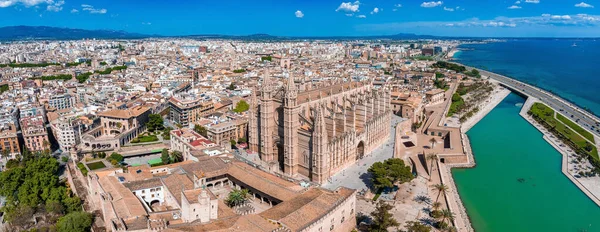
(574, 45)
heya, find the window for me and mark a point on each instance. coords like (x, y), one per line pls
(343, 218)
(143, 191)
(331, 228)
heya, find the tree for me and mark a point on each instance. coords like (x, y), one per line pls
(436, 205)
(116, 157)
(164, 156)
(46, 146)
(176, 156)
(75, 222)
(456, 97)
(237, 197)
(440, 188)
(200, 130)
(241, 106)
(382, 218)
(242, 140)
(431, 158)
(414, 226)
(389, 172)
(231, 86)
(433, 141)
(447, 214)
(155, 122)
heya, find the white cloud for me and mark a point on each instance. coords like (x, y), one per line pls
(55, 6)
(553, 22)
(584, 5)
(518, 2)
(349, 15)
(514, 7)
(431, 4)
(398, 5)
(74, 11)
(348, 6)
(361, 16)
(532, 1)
(394, 9)
(299, 14)
(52, 5)
(93, 10)
(566, 17)
(375, 10)
(448, 9)
(146, 23)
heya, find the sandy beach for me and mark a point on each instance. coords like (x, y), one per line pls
(451, 53)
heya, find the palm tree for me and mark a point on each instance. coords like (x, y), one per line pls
(440, 188)
(431, 157)
(447, 214)
(432, 141)
(237, 197)
(436, 205)
(176, 156)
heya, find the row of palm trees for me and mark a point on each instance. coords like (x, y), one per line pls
(441, 189)
(444, 214)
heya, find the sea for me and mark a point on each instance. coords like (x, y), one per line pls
(566, 67)
(517, 184)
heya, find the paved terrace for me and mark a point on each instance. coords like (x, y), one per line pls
(586, 119)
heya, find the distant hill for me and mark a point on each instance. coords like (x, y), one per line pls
(58, 33)
(43, 32)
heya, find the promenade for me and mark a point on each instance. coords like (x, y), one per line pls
(590, 186)
(585, 119)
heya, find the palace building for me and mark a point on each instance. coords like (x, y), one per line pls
(319, 131)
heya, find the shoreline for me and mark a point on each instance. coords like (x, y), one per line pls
(462, 220)
(595, 197)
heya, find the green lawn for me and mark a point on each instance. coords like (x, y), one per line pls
(96, 165)
(145, 139)
(546, 114)
(575, 127)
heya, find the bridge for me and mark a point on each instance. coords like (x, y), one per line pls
(582, 117)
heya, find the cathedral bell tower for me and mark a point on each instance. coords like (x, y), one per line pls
(291, 124)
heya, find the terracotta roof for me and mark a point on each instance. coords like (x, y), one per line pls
(210, 166)
(264, 182)
(251, 222)
(124, 114)
(125, 203)
(143, 184)
(176, 183)
(302, 211)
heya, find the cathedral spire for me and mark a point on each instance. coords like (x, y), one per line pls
(291, 92)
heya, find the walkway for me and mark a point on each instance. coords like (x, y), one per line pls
(590, 186)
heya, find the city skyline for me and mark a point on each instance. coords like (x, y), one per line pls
(527, 18)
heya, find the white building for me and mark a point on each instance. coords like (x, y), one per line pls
(65, 133)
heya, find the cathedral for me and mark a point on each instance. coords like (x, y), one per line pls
(317, 131)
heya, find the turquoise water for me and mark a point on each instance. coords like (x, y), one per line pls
(553, 64)
(517, 184)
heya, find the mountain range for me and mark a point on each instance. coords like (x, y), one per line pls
(58, 33)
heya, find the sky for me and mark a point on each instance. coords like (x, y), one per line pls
(482, 18)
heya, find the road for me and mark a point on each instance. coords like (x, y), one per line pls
(575, 113)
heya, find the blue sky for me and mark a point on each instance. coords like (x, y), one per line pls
(524, 18)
